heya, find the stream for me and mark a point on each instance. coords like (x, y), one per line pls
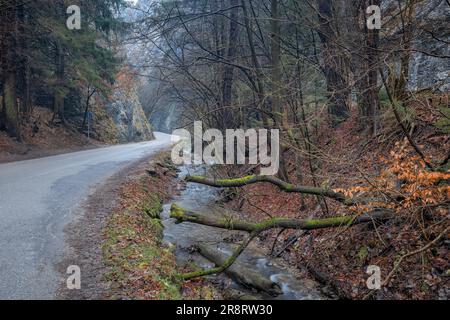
(184, 236)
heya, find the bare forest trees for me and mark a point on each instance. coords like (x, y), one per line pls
(228, 72)
(307, 68)
(334, 62)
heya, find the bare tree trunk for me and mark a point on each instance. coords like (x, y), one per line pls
(58, 102)
(337, 84)
(24, 66)
(228, 73)
(373, 100)
(86, 109)
(277, 108)
(256, 66)
(365, 65)
(10, 110)
(276, 63)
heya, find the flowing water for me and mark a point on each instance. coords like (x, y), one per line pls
(200, 198)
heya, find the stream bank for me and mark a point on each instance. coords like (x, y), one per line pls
(144, 250)
(186, 238)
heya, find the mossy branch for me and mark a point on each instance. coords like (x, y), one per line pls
(226, 265)
(255, 228)
(182, 215)
(287, 187)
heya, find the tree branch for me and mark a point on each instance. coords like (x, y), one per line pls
(400, 122)
(287, 187)
(182, 215)
(227, 263)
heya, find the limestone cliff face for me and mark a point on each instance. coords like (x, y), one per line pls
(125, 112)
(431, 71)
(429, 63)
(128, 116)
(121, 118)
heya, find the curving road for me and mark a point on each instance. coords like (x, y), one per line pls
(38, 198)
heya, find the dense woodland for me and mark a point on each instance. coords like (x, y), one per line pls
(363, 114)
(45, 63)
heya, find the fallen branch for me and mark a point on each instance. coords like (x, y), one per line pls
(287, 187)
(289, 243)
(255, 228)
(182, 215)
(249, 277)
(224, 264)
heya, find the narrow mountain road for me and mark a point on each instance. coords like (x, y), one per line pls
(38, 198)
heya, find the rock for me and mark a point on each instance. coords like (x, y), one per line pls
(429, 65)
(128, 116)
(427, 70)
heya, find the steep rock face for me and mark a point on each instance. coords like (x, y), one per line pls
(126, 112)
(431, 71)
(128, 116)
(120, 118)
(429, 63)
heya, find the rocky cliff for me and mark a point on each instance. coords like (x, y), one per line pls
(122, 119)
(429, 62)
(429, 67)
(128, 116)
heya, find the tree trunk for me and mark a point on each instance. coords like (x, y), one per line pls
(276, 63)
(182, 215)
(10, 111)
(59, 93)
(280, 113)
(228, 73)
(58, 102)
(240, 272)
(86, 109)
(372, 100)
(24, 65)
(333, 66)
(365, 65)
(10, 107)
(256, 66)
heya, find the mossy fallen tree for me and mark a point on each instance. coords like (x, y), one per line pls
(287, 187)
(255, 228)
(240, 272)
(182, 215)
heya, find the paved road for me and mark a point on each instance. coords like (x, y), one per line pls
(38, 198)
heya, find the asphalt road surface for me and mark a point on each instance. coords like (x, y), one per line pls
(38, 198)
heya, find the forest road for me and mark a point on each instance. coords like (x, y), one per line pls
(38, 198)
